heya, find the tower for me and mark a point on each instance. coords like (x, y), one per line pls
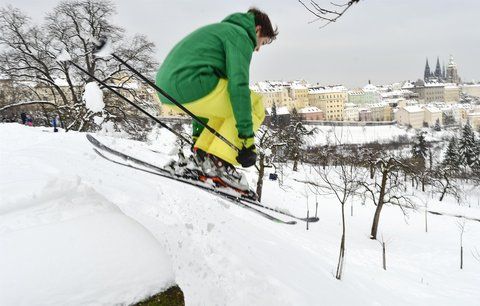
(426, 74)
(438, 71)
(452, 73)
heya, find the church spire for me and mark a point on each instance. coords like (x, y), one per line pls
(438, 70)
(426, 74)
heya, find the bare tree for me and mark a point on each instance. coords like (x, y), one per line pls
(444, 183)
(268, 150)
(327, 15)
(30, 53)
(461, 227)
(383, 244)
(341, 181)
(476, 254)
(390, 189)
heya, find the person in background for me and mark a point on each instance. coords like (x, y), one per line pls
(24, 118)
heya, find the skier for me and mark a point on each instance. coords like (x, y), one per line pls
(208, 73)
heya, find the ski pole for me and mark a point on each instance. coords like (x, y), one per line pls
(130, 102)
(102, 44)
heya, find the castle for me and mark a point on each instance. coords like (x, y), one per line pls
(442, 75)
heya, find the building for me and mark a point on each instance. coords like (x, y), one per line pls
(381, 112)
(452, 93)
(311, 113)
(298, 92)
(429, 92)
(471, 89)
(366, 95)
(331, 100)
(446, 75)
(474, 119)
(351, 112)
(432, 115)
(410, 116)
(278, 93)
(452, 73)
(365, 115)
(283, 115)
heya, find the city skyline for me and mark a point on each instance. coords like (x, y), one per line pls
(350, 52)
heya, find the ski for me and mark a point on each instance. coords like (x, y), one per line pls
(98, 144)
(230, 196)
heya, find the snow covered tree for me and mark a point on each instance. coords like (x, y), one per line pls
(293, 136)
(30, 54)
(467, 146)
(452, 158)
(437, 126)
(274, 117)
(420, 149)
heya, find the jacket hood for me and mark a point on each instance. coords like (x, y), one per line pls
(246, 21)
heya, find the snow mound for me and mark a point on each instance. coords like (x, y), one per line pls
(69, 245)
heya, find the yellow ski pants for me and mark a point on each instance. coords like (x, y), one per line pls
(217, 109)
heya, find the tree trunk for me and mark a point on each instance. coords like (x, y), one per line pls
(261, 173)
(384, 256)
(341, 256)
(376, 218)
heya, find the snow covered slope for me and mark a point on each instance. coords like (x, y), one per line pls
(72, 231)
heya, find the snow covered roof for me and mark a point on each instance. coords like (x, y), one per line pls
(299, 86)
(434, 84)
(432, 109)
(396, 93)
(356, 92)
(266, 87)
(332, 89)
(370, 87)
(413, 109)
(451, 86)
(378, 104)
(310, 109)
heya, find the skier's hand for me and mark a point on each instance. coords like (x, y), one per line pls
(247, 156)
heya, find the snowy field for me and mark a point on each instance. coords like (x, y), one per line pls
(76, 229)
(357, 134)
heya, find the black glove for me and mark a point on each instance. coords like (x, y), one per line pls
(247, 156)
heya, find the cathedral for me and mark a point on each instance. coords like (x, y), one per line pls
(448, 75)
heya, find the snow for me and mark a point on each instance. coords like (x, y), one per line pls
(281, 110)
(413, 108)
(309, 109)
(76, 229)
(356, 134)
(93, 97)
(106, 50)
(64, 56)
(61, 241)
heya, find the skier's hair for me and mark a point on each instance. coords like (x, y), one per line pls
(261, 19)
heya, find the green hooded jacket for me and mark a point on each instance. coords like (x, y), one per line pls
(221, 50)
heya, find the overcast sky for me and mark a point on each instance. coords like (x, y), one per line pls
(379, 40)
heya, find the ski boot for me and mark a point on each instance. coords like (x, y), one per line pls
(222, 173)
